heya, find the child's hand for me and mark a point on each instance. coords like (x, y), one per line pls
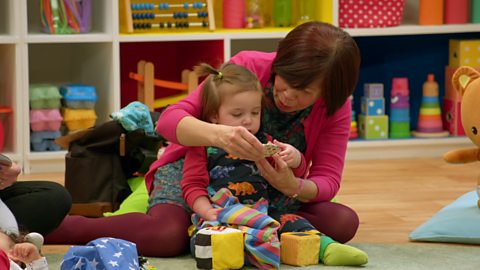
(211, 214)
(24, 252)
(289, 154)
(8, 175)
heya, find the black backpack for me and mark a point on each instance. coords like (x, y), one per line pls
(99, 162)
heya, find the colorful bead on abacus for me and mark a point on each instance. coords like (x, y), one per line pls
(175, 15)
(169, 25)
(163, 6)
(142, 25)
(198, 4)
(179, 15)
(139, 16)
(147, 15)
(144, 6)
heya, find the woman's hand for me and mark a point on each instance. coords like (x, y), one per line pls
(239, 142)
(289, 154)
(280, 177)
(8, 175)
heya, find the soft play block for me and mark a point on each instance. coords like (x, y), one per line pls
(299, 248)
(219, 247)
(373, 90)
(78, 119)
(45, 120)
(44, 96)
(452, 117)
(44, 141)
(373, 106)
(78, 96)
(464, 52)
(373, 127)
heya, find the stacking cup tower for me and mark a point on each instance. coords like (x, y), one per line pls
(399, 109)
(430, 116)
(373, 122)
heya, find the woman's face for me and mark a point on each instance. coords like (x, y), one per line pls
(288, 99)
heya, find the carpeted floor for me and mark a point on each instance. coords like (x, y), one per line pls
(414, 256)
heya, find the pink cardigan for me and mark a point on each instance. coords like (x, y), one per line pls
(326, 138)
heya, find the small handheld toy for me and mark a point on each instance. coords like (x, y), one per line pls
(5, 161)
(270, 149)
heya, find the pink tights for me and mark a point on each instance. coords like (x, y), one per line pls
(162, 232)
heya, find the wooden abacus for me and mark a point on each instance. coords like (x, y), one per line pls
(144, 16)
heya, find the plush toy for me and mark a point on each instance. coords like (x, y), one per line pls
(466, 82)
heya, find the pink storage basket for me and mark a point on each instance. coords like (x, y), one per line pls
(45, 120)
(370, 13)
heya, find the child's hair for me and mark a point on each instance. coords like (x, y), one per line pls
(15, 237)
(213, 94)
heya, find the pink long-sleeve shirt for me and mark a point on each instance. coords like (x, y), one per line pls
(326, 137)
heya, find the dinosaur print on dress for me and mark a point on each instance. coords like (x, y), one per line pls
(242, 189)
(241, 177)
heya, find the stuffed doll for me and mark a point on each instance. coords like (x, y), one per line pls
(466, 82)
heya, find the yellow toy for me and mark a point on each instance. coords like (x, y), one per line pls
(467, 83)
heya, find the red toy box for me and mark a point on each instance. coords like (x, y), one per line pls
(3, 111)
(370, 14)
(452, 120)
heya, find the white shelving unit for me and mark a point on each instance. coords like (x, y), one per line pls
(27, 55)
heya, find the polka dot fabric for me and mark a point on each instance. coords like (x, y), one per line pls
(370, 13)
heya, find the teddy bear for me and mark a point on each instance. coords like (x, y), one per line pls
(466, 82)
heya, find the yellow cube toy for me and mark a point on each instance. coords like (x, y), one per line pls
(219, 247)
(299, 248)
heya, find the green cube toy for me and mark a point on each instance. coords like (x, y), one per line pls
(373, 127)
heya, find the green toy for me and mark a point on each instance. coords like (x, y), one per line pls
(135, 202)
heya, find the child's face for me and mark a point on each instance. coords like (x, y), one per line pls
(5, 242)
(241, 109)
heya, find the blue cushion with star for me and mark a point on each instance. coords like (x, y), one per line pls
(458, 222)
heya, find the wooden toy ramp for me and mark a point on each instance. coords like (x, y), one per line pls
(146, 83)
